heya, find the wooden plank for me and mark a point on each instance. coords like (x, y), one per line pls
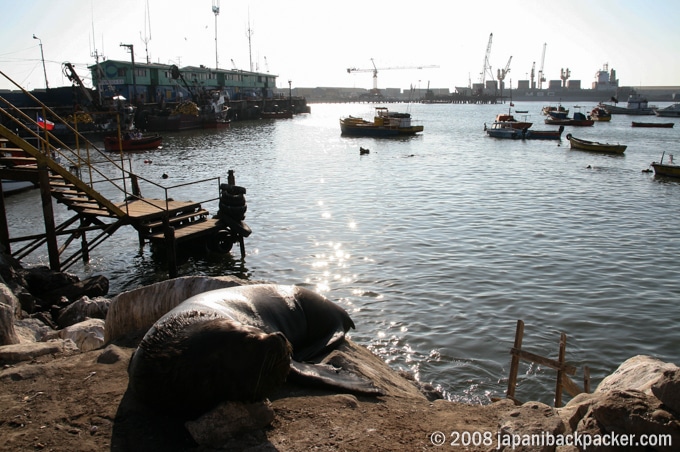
(570, 386)
(194, 230)
(528, 356)
(178, 218)
(514, 364)
(560, 372)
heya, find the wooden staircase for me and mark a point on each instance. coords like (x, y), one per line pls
(72, 177)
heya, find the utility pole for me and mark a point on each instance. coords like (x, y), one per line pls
(42, 57)
(216, 11)
(131, 48)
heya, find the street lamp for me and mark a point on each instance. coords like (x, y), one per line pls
(42, 56)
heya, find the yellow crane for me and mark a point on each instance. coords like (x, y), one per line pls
(375, 72)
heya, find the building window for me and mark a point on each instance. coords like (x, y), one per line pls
(121, 71)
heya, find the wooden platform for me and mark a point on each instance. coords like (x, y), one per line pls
(150, 208)
(194, 230)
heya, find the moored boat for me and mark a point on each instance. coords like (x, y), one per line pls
(585, 145)
(636, 105)
(599, 113)
(666, 125)
(543, 134)
(384, 124)
(512, 122)
(131, 142)
(672, 111)
(503, 130)
(579, 120)
(557, 112)
(666, 169)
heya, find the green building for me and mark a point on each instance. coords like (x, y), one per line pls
(157, 83)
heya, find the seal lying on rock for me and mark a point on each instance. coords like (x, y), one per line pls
(236, 344)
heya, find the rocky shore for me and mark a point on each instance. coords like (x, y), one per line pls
(65, 347)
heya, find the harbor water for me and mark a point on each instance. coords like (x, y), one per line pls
(437, 244)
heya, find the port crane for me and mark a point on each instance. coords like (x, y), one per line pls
(541, 76)
(375, 72)
(487, 66)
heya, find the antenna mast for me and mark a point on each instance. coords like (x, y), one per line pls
(249, 34)
(146, 39)
(216, 11)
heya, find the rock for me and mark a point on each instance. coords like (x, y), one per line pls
(96, 286)
(9, 311)
(638, 399)
(229, 419)
(87, 335)
(630, 412)
(667, 389)
(134, 312)
(531, 418)
(82, 309)
(639, 373)
(25, 352)
(41, 281)
(112, 354)
(31, 330)
(49, 286)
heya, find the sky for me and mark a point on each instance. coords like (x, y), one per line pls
(313, 43)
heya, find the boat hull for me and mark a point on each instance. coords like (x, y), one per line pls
(594, 146)
(661, 169)
(569, 122)
(360, 130)
(666, 125)
(133, 144)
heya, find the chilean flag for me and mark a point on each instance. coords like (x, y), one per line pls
(49, 125)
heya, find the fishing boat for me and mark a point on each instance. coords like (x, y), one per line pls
(585, 145)
(557, 112)
(385, 124)
(543, 134)
(512, 122)
(599, 113)
(672, 111)
(636, 105)
(132, 142)
(579, 120)
(666, 169)
(503, 130)
(666, 125)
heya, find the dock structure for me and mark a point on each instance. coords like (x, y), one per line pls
(86, 180)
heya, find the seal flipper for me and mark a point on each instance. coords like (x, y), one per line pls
(326, 375)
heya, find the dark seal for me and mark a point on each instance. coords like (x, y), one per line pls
(239, 343)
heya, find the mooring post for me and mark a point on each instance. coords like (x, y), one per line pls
(514, 364)
(4, 227)
(171, 248)
(560, 371)
(48, 217)
(84, 248)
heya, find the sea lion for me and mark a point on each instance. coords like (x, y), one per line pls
(236, 344)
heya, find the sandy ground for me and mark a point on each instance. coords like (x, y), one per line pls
(75, 403)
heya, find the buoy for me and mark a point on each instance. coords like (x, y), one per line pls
(164, 176)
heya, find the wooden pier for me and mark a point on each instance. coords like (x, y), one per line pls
(72, 177)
